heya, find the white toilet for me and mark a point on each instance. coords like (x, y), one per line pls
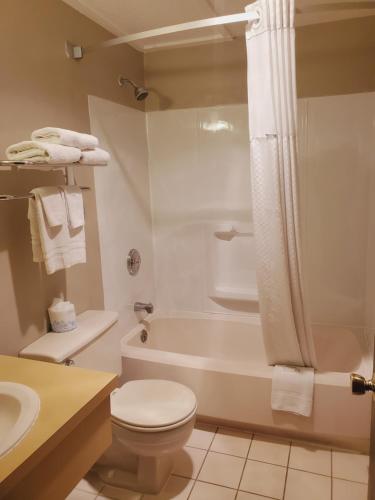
(151, 419)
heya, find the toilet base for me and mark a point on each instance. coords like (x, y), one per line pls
(150, 476)
(142, 461)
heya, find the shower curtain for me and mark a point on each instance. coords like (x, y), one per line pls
(273, 159)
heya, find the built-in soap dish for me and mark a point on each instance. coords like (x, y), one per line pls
(236, 294)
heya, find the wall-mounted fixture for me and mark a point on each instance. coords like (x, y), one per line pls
(140, 93)
(21, 164)
(133, 261)
(141, 306)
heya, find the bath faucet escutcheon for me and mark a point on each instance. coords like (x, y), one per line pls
(140, 306)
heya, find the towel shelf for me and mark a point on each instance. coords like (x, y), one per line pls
(38, 164)
(11, 197)
(68, 174)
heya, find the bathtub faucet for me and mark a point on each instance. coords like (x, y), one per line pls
(140, 306)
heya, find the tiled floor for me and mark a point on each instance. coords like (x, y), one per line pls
(227, 464)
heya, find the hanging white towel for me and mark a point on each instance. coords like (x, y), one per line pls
(95, 156)
(292, 389)
(34, 231)
(43, 152)
(59, 247)
(53, 205)
(65, 137)
(74, 206)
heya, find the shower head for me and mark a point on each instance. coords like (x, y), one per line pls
(140, 93)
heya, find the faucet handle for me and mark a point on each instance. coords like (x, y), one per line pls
(141, 306)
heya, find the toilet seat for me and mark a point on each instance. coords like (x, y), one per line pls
(152, 405)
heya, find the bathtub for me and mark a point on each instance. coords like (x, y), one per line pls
(222, 359)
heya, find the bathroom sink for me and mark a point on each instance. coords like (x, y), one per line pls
(19, 408)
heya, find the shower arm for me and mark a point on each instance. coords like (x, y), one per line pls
(123, 81)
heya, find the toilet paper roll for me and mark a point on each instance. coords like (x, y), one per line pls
(62, 316)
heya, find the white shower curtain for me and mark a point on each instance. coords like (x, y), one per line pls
(272, 119)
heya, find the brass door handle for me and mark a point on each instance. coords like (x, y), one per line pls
(360, 385)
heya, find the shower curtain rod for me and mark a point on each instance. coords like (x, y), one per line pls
(74, 51)
(78, 51)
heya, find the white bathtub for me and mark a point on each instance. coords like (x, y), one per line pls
(222, 359)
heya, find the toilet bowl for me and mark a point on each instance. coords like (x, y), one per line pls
(151, 420)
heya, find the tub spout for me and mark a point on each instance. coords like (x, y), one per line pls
(140, 306)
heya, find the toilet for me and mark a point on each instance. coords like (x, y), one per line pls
(151, 419)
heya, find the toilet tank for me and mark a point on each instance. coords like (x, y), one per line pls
(94, 344)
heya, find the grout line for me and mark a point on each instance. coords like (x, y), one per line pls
(195, 480)
(349, 480)
(199, 471)
(331, 474)
(215, 484)
(244, 465)
(268, 463)
(197, 447)
(287, 469)
(310, 472)
(226, 454)
(213, 438)
(257, 494)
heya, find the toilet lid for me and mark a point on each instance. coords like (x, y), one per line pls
(152, 403)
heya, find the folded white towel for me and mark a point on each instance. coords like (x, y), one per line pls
(43, 152)
(74, 205)
(292, 389)
(59, 247)
(96, 156)
(65, 137)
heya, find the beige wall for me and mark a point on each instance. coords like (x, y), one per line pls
(333, 58)
(208, 75)
(39, 87)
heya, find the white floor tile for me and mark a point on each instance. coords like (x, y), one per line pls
(244, 495)
(177, 488)
(223, 470)
(90, 483)
(269, 449)
(202, 436)
(80, 495)
(304, 485)
(263, 479)
(118, 494)
(346, 490)
(204, 491)
(350, 466)
(310, 458)
(188, 462)
(231, 442)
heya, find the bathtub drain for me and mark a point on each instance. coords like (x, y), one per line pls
(144, 336)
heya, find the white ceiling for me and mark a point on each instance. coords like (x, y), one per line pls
(123, 17)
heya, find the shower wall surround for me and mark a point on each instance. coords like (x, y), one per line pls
(123, 201)
(199, 175)
(198, 160)
(199, 168)
(336, 138)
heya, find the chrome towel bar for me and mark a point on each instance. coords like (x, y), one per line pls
(11, 197)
